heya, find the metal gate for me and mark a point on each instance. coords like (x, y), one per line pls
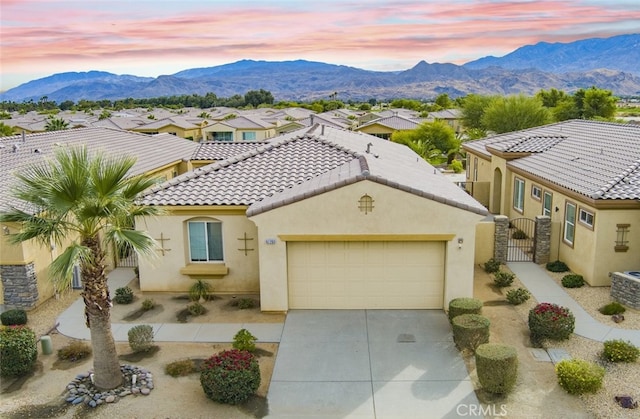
(522, 240)
(126, 258)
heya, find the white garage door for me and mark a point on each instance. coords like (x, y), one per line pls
(357, 275)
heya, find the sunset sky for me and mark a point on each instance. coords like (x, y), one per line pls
(153, 37)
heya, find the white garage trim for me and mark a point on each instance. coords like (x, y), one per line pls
(366, 274)
(365, 237)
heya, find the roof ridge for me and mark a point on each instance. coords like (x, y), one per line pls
(616, 180)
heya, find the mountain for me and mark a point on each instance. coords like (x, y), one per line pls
(611, 63)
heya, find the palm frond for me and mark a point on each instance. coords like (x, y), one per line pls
(61, 269)
(139, 241)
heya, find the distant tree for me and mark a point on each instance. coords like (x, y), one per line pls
(66, 105)
(373, 101)
(258, 97)
(551, 98)
(513, 113)
(104, 114)
(430, 140)
(56, 124)
(598, 103)
(565, 109)
(364, 107)
(473, 108)
(414, 105)
(5, 130)
(444, 101)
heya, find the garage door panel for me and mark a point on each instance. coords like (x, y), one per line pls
(366, 274)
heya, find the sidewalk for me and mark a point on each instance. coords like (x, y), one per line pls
(71, 323)
(545, 289)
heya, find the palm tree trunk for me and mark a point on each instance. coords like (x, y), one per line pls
(106, 367)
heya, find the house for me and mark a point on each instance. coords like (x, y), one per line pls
(452, 117)
(239, 128)
(584, 175)
(24, 268)
(189, 128)
(385, 127)
(319, 218)
(212, 151)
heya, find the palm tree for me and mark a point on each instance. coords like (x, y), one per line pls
(90, 201)
(56, 124)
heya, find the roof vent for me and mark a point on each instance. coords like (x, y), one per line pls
(16, 147)
(37, 150)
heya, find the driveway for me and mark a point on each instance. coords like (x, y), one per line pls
(369, 364)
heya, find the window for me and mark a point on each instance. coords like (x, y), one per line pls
(249, 136)
(569, 223)
(475, 169)
(468, 165)
(518, 195)
(622, 233)
(586, 217)
(222, 136)
(536, 192)
(546, 204)
(205, 241)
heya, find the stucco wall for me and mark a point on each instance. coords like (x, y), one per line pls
(485, 241)
(336, 213)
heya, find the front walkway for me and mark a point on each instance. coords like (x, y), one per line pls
(545, 289)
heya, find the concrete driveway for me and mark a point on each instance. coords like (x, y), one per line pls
(369, 364)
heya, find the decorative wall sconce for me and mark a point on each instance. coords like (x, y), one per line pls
(460, 241)
(365, 204)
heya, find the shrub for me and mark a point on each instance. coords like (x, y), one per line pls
(492, 266)
(246, 303)
(519, 234)
(141, 338)
(74, 351)
(578, 376)
(456, 166)
(148, 304)
(497, 367)
(196, 309)
(180, 368)
(612, 308)
(470, 331)
(16, 317)
(200, 290)
(620, 351)
(557, 266)
(464, 305)
(230, 376)
(124, 295)
(572, 281)
(518, 296)
(18, 350)
(550, 321)
(503, 279)
(244, 341)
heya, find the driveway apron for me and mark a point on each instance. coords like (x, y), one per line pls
(369, 364)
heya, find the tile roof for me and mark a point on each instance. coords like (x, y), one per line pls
(394, 122)
(307, 162)
(599, 160)
(179, 122)
(222, 150)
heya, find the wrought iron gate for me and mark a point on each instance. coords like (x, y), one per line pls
(126, 258)
(522, 240)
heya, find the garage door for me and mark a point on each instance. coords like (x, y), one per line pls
(357, 275)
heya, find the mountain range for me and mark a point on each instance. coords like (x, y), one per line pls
(608, 63)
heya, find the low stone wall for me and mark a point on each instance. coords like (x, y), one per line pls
(625, 289)
(20, 286)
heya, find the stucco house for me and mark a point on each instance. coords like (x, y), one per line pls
(189, 128)
(584, 175)
(385, 127)
(319, 218)
(239, 128)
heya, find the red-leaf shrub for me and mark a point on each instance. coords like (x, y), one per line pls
(230, 376)
(550, 321)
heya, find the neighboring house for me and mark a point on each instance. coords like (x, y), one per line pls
(189, 128)
(385, 127)
(239, 128)
(24, 268)
(584, 175)
(320, 218)
(452, 117)
(212, 151)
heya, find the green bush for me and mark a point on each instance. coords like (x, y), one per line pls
(18, 351)
(196, 309)
(518, 296)
(492, 266)
(148, 304)
(470, 331)
(557, 266)
(497, 367)
(550, 321)
(15, 317)
(180, 368)
(578, 376)
(518, 235)
(244, 341)
(572, 281)
(124, 295)
(620, 351)
(503, 279)
(612, 308)
(200, 290)
(141, 338)
(246, 303)
(456, 166)
(74, 351)
(464, 305)
(230, 377)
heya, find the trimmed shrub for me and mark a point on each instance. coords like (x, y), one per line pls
(578, 376)
(18, 351)
(148, 304)
(15, 317)
(74, 351)
(497, 367)
(503, 279)
(612, 308)
(491, 266)
(196, 309)
(550, 321)
(200, 290)
(124, 295)
(244, 341)
(464, 305)
(141, 338)
(518, 296)
(230, 376)
(518, 235)
(620, 351)
(572, 281)
(557, 266)
(470, 331)
(180, 368)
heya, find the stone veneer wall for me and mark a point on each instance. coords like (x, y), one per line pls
(625, 289)
(501, 238)
(20, 286)
(543, 239)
